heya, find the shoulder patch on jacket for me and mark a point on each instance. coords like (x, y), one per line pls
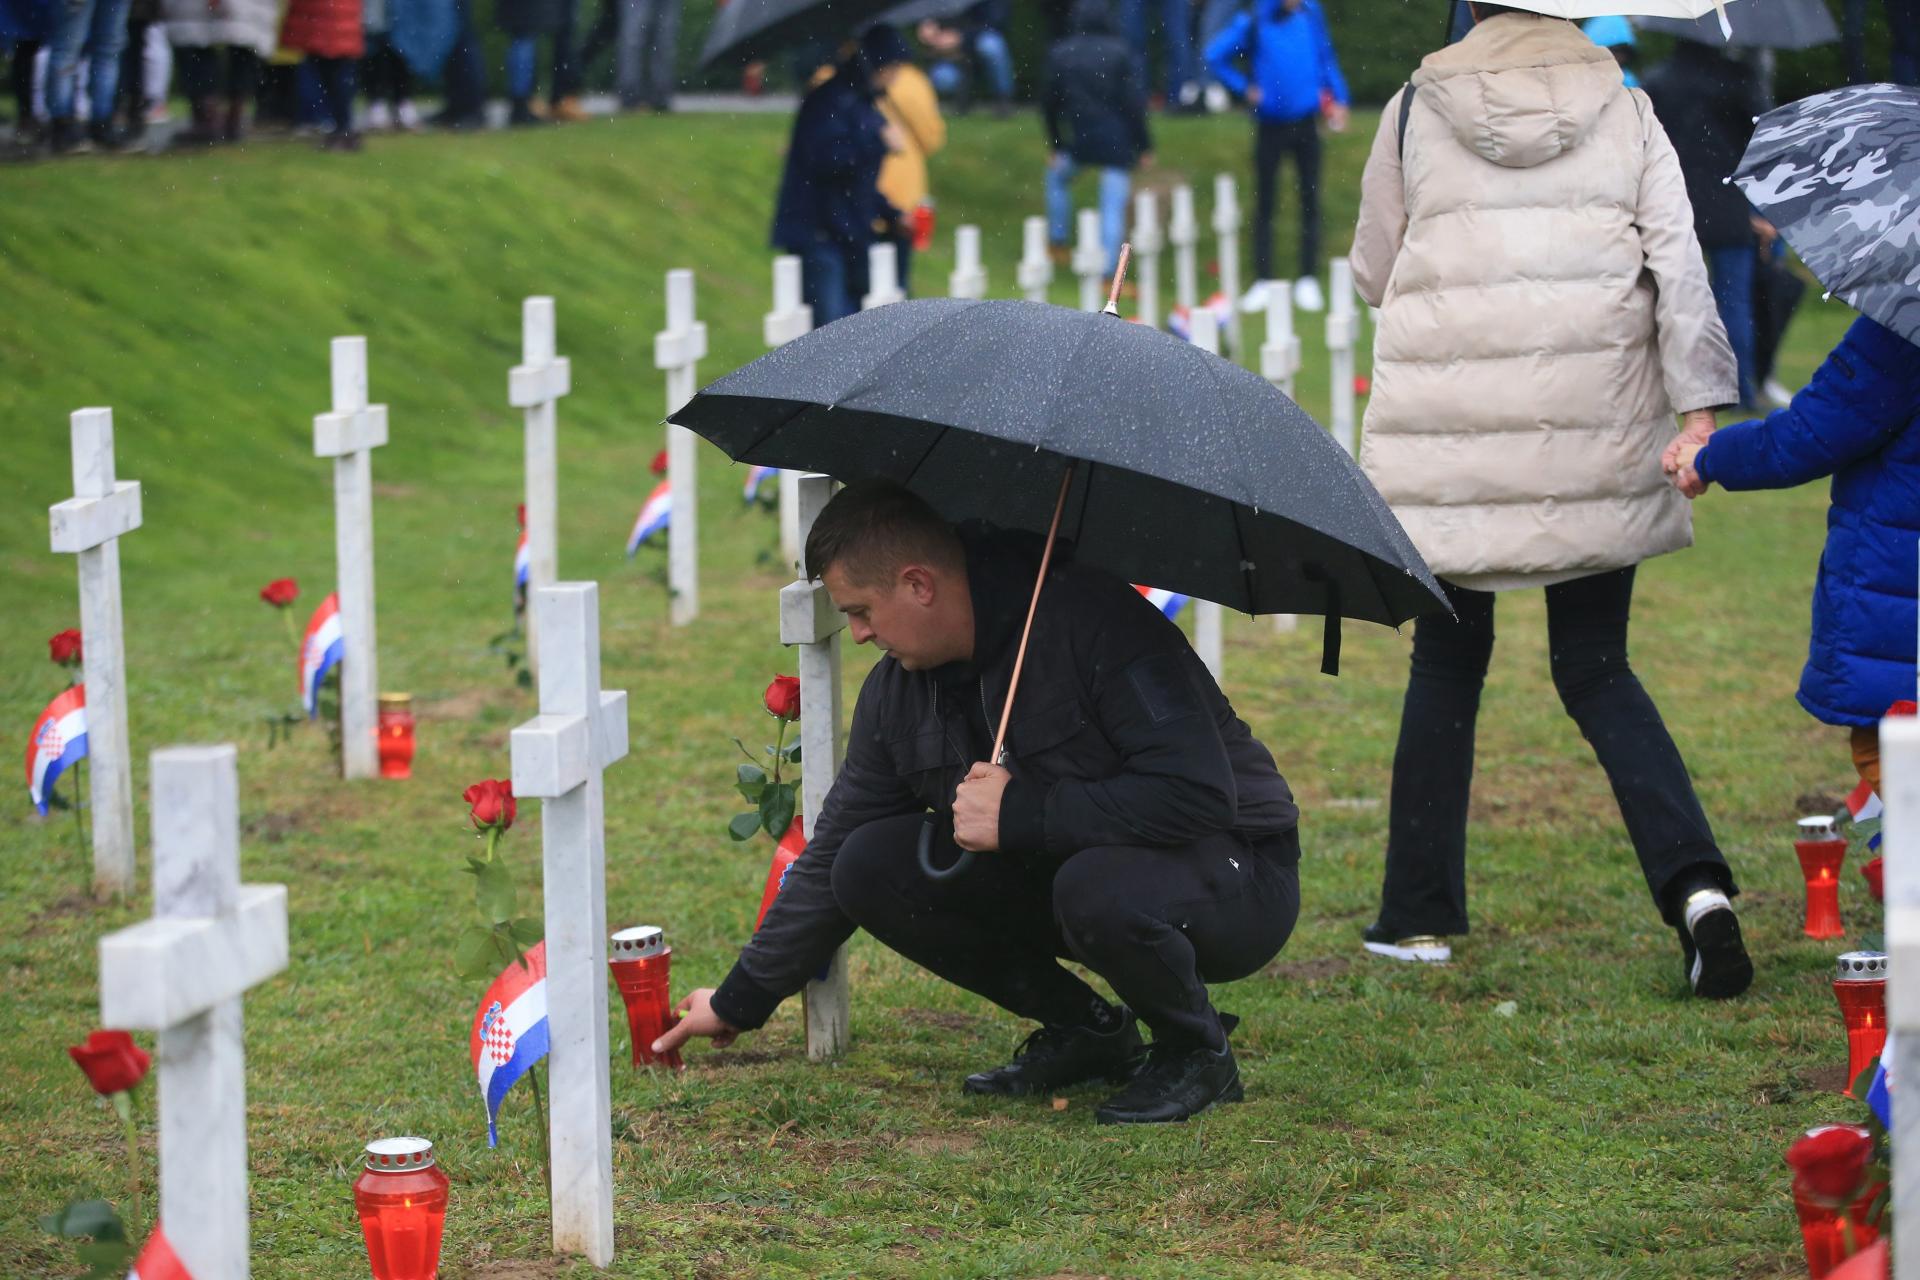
(1164, 688)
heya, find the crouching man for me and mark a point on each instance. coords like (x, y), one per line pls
(1136, 825)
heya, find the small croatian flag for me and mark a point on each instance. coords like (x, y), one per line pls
(1880, 1091)
(510, 1031)
(59, 738)
(1167, 602)
(1864, 806)
(320, 651)
(653, 517)
(522, 565)
(158, 1261)
(1180, 321)
(757, 476)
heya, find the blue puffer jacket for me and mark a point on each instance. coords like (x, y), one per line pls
(1858, 421)
(1292, 54)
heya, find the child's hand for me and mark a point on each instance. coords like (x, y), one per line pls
(1679, 466)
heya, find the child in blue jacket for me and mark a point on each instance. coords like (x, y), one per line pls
(1858, 421)
(1295, 80)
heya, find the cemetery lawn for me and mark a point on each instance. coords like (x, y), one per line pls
(1552, 1104)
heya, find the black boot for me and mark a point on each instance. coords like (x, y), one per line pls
(64, 137)
(1056, 1057)
(1178, 1082)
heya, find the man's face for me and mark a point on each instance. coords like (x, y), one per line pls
(898, 617)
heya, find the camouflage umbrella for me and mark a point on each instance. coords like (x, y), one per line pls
(1839, 175)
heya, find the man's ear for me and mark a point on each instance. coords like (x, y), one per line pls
(921, 582)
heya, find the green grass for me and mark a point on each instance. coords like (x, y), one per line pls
(1395, 1123)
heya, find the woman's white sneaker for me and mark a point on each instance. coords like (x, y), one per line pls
(1421, 948)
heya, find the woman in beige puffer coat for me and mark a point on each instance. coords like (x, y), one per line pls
(1544, 312)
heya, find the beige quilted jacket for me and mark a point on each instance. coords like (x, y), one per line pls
(1544, 312)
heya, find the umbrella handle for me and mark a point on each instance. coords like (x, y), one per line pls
(964, 861)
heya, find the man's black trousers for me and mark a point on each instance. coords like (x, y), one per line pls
(1156, 923)
(1273, 139)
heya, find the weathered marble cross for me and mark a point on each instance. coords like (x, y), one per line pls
(969, 277)
(1206, 614)
(536, 385)
(558, 759)
(883, 276)
(1343, 332)
(1036, 268)
(677, 350)
(790, 318)
(1900, 855)
(1279, 362)
(808, 619)
(348, 435)
(183, 974)
(88, 526)
(1147, 245)
(1226, 224)
(1090, 260)
(1183, 233)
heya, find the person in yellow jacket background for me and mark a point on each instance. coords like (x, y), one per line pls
(913, 108)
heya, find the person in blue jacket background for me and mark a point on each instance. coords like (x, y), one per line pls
(1859, 422)
(1296, 79)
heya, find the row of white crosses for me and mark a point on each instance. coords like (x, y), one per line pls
(677, 350)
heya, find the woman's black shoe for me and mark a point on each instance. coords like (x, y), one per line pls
(1177, 1083)
(1056, 1057)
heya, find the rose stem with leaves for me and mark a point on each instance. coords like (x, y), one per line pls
(80, 821)
(123, 1104)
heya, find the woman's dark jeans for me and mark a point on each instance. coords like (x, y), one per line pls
(1426, 880)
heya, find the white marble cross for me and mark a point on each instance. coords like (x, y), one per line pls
(536, 385)
(883, 275)
(1226, 224)
(1279, 362)
(969, 278)
(1036, 268)
(1343, 332)
(1147, 244)
(557, 758)
(1089, 260)
(88, 526)
(789, 318)
(183, 974)
(1900, 856)
(677, 349)
(348, 435)
(1206, 614)
(1183, 233)
(808, 619)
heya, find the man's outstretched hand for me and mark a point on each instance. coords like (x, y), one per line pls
(976, 808)
(697, 1018)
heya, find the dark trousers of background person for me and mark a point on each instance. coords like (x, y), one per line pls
(20, 82)
(465, 76)
(385, 73)
(643, 57)
(1730, 269)
(566, 53)
(132, 92)
(1273, 139)
(336, 77)
(1426, 881)
(213, 74)
(1157, 923)
(902, 240)
(833, 279)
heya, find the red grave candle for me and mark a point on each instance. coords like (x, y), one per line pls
(785, 854)
(1821, 850)
(401, 1197)
(640, 959)
(395, 730)
(1860, 985)
(1821, 1234)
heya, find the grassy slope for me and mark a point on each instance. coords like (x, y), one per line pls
(1395, 1121)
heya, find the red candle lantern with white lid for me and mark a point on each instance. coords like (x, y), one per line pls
(1860, 985)
(640, 960)
(1821, 850)
(401, 1196)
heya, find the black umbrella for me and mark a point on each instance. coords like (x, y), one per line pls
(1764, 24)
(743, 30)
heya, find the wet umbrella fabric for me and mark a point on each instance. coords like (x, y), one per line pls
(1192, 473)
(1839, 175)
(746, 29)
(1763, 24)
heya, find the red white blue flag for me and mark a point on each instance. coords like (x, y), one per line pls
(158, 1261)
(510, 1031)
(1180, 320)
(323, 648)
(757, 476)
(654, 517)
(1864, 804)
(522, 566)
(59, 738)
(1167, 602)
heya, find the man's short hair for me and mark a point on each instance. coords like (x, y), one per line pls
(873, 529)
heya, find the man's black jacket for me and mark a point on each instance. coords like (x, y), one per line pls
(1119, 736)
(1093, 99)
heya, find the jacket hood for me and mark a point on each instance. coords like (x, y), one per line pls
(1091, 18)
(1520, 89)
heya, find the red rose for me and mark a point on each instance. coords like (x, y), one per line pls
(64, 648)
(281, 592)
(112, 1061)
(659, 464)
(1903, 707)
(1871, 873)
(1830, 1163)
(783, 697)
(492, 803)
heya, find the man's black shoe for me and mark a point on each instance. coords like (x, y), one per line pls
(1177, 1083)
(1056, 1057)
